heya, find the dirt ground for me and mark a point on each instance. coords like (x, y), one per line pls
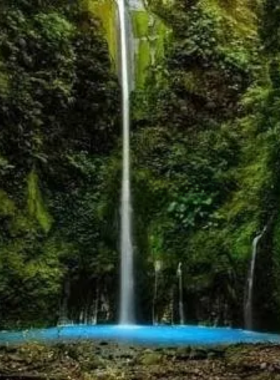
(107, 361)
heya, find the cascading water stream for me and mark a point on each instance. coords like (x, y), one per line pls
(248, 310)
(127, 281)
(157, 268)
(181, 304)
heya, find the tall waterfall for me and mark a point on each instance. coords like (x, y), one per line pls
(248, 309)
(127, 281)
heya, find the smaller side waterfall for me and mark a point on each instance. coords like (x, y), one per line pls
(249, 291)
(63, 313)
(157, 267)
(181, 304)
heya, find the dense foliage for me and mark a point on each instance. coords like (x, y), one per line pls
(207, 153)
(59, 119)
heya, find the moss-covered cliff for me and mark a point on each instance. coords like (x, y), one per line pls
(59, 112)
(206, 162)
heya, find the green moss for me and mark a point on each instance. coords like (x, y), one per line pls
(4, 80)
(243, 211)
(140, 23)
(150, 33)
(142, 62)
(7, 206)
(161, 32)
(106, 11)
(22, 225)
(237, 18)
(242, 239)
(36, 206)
(55, 27)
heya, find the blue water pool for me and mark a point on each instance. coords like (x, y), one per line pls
(147, 335)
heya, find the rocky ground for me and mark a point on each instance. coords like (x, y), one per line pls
(103, 361)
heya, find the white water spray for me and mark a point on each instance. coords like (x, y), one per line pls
(127, 282)
(248, 309)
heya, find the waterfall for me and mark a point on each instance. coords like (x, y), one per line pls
(157, 268)
(248, 309)
(127, 280)
(181, 304)
(63, 314)
(63, 319)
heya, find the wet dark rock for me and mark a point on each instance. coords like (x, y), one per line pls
(9, 349)
(216, 353)
(183, 353)
(198, 354)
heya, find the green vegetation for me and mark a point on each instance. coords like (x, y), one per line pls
(205, 147)
(59, 112)
(105, 12)
(149, 34)
(205, 156)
